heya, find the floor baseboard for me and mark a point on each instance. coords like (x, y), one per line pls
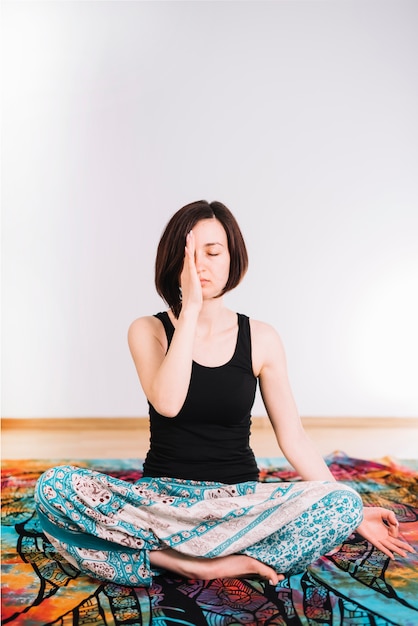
(128, 437)
(135, 423)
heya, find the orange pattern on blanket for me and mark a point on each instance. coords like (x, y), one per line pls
(356, 584)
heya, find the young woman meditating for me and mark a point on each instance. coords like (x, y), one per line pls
(199, 510)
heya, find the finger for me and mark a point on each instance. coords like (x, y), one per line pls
(188, 247)
(385, 550)
(190, 244)
(388, 517)
(277, 578)
(397, 550)
(400, 547)
(393, 531)
(391, 523)
(189, 260)
(391, 519)
(403, 545)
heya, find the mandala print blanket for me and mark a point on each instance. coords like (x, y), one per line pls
(355, 586)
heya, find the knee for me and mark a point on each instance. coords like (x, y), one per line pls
(347, 505)
(52, 482)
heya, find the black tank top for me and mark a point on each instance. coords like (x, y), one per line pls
(209, 438)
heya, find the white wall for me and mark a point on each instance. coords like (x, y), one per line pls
(300, 116)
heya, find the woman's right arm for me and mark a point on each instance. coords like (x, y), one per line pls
(165, 376)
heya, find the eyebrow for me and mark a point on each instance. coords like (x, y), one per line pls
(215, 243)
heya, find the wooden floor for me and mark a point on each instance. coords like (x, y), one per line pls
(89, 438)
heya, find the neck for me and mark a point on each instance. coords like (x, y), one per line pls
(213, 317)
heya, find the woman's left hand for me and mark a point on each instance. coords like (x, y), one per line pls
(381, 528)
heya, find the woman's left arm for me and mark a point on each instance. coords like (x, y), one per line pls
(379, 525)
(269, 364)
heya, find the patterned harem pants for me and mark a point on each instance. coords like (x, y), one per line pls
(106, 527)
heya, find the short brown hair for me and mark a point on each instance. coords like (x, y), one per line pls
(170, 252)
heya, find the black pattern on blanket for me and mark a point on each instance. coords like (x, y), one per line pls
(355, 586)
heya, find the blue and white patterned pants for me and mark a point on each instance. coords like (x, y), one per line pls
(106, 527)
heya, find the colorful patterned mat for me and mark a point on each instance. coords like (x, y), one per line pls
(355, 586)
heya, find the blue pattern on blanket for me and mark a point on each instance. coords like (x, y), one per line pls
(356, 585)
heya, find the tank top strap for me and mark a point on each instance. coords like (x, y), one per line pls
(243, 353)
(168, 325)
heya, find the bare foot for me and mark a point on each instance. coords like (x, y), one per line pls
(231, 566)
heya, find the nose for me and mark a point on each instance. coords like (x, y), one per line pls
(199, 261)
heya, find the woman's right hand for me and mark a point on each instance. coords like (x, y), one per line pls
(165, 374)
(191, 288)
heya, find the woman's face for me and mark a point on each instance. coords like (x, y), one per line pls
(211, 256)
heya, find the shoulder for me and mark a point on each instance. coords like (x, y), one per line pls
(263, 332)
(144, 329)
(142, 324)
(267, 346)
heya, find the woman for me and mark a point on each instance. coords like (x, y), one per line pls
(199, 510)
